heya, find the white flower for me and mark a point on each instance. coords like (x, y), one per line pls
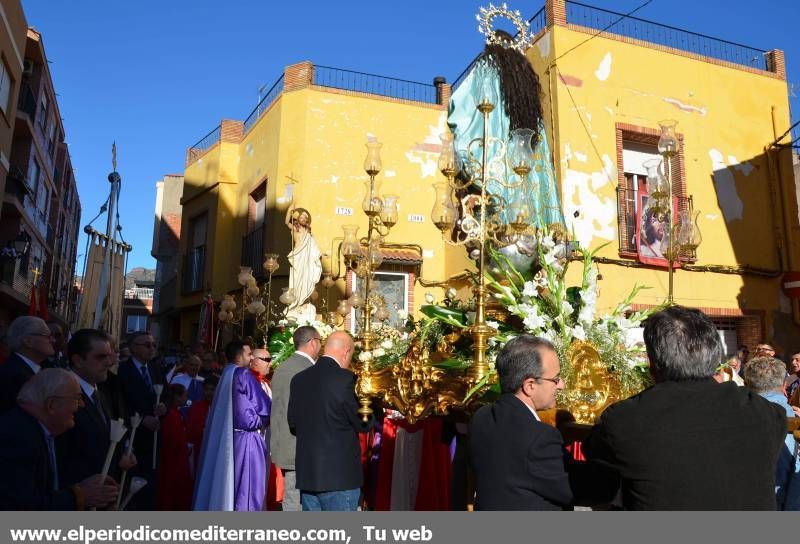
(566, 308)
(404, 336)
(586, 315)
(402, 314)
(493, 324)
(364, 356)
(378, 352)
(578, 332)
(534, 321)
(283, 322)
(429, 298)
(548, 242)
(530, 289)
(450, 293)
(387, 344)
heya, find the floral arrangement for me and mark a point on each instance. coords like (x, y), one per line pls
(281, 344)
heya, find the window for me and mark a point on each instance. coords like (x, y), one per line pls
(44, 109)
(198, 231)
(393, 286)
(635, 146)
(51, 138)
(634, 155)
(34, 170)
(257, 208)
(5, 86)
(137, 323)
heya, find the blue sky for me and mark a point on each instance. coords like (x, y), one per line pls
(156, 76)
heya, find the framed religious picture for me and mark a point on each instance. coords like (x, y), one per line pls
(652, 227)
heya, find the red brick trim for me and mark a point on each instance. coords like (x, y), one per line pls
(774, 65)
(231, 131)
(298, 76)
(555, 12)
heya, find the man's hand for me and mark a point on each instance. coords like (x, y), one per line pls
(160, 409)
(98, 493)
(796, 411)
(150, 423)
(127, 462)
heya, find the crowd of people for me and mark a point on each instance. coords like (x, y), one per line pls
(237, 436)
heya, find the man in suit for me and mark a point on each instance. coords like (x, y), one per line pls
(688, 442)
(29, 479)
(323, 415)
(137, 377)
(282, 443)
(517, 459)
(31, 343)
(82, 449)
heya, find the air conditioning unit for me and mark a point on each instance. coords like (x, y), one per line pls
(27, 68)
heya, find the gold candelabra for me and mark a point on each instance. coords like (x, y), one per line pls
(252, 296)
(682, 235)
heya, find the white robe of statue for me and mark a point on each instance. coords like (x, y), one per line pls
(305, 270)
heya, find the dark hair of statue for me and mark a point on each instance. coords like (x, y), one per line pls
(519, 84)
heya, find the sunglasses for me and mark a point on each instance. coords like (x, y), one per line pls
(265, 359)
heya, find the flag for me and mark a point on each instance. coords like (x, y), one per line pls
(205, 331)
(43, 313)
(33, 307)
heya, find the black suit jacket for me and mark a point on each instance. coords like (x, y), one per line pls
(323, 414)
(81, 451)
(519, 462)
(13, 375)
(26, 477)
(139, 398)
(695, 445)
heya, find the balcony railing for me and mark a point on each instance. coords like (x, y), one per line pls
(348, 80)
(206, 142)
(264, 103)
(628, 203)
(665, 35)
(253, 251)
(27, 101)
(194, 264)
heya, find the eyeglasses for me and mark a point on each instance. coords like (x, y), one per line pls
(557, 380)
(48, 335)
(145, 344)
(265, 359)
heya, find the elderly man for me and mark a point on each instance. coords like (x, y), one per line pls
(189, 379)
(307, 343)
(323, 414)
(688, 443)
(517, 459)
(764, 375)
(30, 475)
(31, 343)
(82, 449)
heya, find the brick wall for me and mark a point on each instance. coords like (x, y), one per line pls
(298, 76)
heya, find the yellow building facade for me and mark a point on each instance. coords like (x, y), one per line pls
(603, 99)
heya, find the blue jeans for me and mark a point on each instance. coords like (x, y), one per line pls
(336, 501)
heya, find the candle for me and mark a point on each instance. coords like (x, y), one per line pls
(158, 388)
(136, 419)
(136, 485)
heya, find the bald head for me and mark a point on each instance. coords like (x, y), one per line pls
(339, 345)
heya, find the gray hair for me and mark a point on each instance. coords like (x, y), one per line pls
(682, 344)
(764, 374)
(519, 360)
(303, 335)
(21, 327)
(45, 384)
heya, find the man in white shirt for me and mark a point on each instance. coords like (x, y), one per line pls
(282, 443)
(31, 343)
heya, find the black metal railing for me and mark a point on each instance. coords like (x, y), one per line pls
(26, 102)
(264, 103)
(665, 35)
(348, 80)
(206, 142)
(194, 264)
(628, 203)
(253, 251)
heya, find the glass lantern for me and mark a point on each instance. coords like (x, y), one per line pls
(374, 253)
(351, 247)
(520, 152)
(518, 212)
(390, 210)
(657, 183)
(343, 308)
(444, 211)
(372, 203)
(668, 144)
(245, 273)
(270, 263)
(372, 163)
(687, 232)
(449, 161)
(287, 296)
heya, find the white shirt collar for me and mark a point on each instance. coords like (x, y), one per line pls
(87, 388)
(137, 363)
(307, 356)
(36, 368)
(533, 411)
